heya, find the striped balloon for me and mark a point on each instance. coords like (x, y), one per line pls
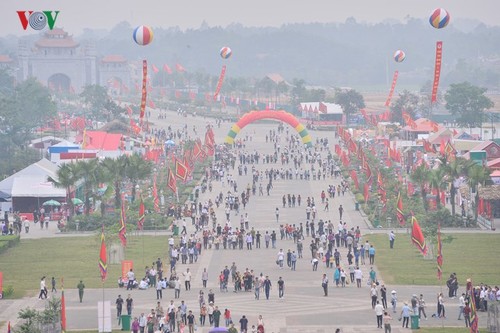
(143, 35)
(399, 56)
(225, 52)
(439, 18)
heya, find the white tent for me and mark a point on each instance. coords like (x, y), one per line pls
(43, 168)
(35, 187)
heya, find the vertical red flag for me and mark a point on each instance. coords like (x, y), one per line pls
(181, 171)
(172, 182)
(142, 210)
(417, 236)
(63, 309)
(474, 320)
(354, 177)
(144, 89)
(122, 233)
(393, 86)
(8, 328)
(219, 83)
(167, 69)
(154, 68)
(366, 192)
(437, 70)
(180, 68)
(399, 210)
(103, 257)
(439, 258)
(155, 196)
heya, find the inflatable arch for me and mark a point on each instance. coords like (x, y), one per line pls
(269, 114)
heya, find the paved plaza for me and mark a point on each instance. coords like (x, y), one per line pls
(304, 308)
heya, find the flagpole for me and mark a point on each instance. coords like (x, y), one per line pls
(102, 305)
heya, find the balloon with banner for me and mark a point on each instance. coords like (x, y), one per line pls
(225, 53)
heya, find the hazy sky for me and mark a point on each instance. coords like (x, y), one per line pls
(78, 14)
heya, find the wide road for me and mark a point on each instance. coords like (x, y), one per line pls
(304, 308)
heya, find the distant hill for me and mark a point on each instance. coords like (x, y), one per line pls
(340, 54)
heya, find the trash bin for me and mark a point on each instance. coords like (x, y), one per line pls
(356, 205)
(125, 322)
(414, 322)
(176, 230)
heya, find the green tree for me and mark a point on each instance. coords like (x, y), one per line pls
(87, 171)
(407, 102)
(66, 178)
(99, 103)
(350, 101)
(454, 170)
(30, 324)
(477, 175)
(437, 181)
(468, 102)
(115, 172)
(298, 91)
(420, 176)
(136, 170)
(29, 106)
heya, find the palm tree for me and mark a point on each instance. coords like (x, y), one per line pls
(420, 176)
(454, 170)
(88, 171)
(437, 181)
(136, 170)
(477, 175)
(66, 178)
(115, 170)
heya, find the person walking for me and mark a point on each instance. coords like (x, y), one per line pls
(387, 322)
(392, 238)
(43, 289)
(216, 316)
(394, 300)
(177, 288)
(461, 306)
(187, 279)
(53, 282)
(324, 284)
(191, 321)
(159, 289)
(379, 312)
(405, 314)
(281, 288)
(129, 303)
(267, 286)
(81, 288)
(119, 306)
(421, 307)
(204, 277)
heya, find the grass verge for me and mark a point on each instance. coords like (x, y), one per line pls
(73, 259)
(468, 255)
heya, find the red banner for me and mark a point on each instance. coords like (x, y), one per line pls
(219, 84)
(393, 86)
(127, 265)
(144, 89)
(437, 70)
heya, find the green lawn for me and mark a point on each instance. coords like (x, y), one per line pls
(442, 330)
(74, 259)
(468, 255)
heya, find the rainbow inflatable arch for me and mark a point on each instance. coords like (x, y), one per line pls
(269, 114)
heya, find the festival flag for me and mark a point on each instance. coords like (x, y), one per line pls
(122, 233)
(152, 104)
(442, 144)
(437, 71)
(135, 128)
(179, 68)
(474, 320)
(196, 149)
(435, 126)
(103, 259)
(417, 237)
(167, 69)
(399, 210)
(63, 309)
(219, 83)
(154, 68)
(449, 149)
(142, 210)
(411, 189)
(354, 177)
(366, 192)
(439, 258)
(156, 200)
(428, 148)
(172, 182)
(181, 171)
(8, 327)
(393, 86)
(380, 180)
(144, 90)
